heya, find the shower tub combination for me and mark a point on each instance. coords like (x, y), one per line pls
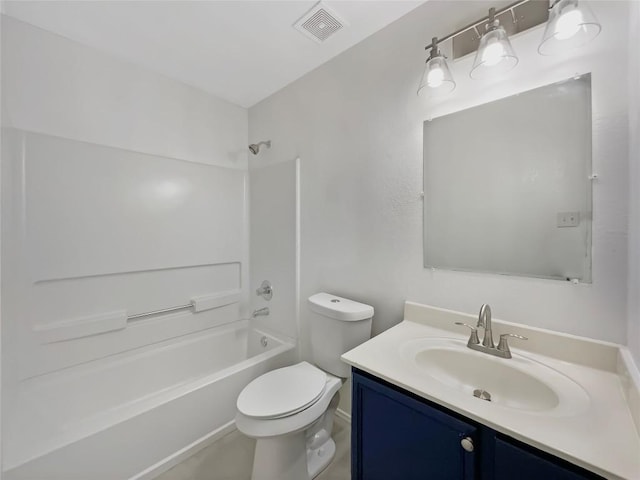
(109, 424)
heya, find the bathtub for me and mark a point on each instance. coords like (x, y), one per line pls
(135, 414)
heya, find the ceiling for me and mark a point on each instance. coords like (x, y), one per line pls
(242, 51)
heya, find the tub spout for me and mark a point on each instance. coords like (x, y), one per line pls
(260, 312)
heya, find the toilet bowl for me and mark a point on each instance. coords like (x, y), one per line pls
(290, 411)
(293, 431)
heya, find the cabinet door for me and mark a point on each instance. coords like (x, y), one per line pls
(513, 461)
(395, 436)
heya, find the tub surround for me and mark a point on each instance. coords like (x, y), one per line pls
(604, 438)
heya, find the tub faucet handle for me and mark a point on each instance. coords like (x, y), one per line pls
(266, 290)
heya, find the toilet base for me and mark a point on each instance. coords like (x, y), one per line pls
(280, 458)
(300, 455)
(284, 458)
(319, 458)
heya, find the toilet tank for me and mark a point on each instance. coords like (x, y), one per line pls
(336, 326)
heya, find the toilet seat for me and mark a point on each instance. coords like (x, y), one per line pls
(263, 428)
(282, 392)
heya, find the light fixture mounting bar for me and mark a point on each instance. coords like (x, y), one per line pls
(515, 18)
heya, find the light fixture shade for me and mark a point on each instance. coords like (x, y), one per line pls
(495, 54)
(571, 24)
(437, 79)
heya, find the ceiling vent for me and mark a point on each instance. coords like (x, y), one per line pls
(320, 23)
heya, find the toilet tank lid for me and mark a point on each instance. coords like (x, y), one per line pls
(339, 308)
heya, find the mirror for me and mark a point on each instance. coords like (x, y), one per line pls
(507, 185)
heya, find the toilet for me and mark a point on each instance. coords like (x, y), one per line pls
(289, 411)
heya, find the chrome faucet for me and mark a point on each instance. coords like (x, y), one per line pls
(260, 312)
(484, 321)
(488, 346)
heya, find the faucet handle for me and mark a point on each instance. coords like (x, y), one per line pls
(265, 291)
(503, 344)
(473, 339)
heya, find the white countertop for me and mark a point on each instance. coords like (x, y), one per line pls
(603, 438)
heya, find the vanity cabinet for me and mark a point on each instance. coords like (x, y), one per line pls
(513, 461)
(397, 435)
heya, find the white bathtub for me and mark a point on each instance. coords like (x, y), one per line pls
(135, 414)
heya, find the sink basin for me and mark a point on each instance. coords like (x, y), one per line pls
(517, 383)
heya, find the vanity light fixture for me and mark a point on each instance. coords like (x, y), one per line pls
(571, 24)
(495, 54)
(436, 78)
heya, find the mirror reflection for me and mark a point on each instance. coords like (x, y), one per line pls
(507, 185)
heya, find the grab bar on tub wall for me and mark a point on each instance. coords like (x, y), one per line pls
(199, 304)
(158, 312)
(108, 322)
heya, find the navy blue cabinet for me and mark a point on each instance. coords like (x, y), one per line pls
(398, 435)
(524, 463)
(395, 436)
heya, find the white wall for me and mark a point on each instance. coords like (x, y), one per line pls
(59, 87)
(1, 28)
(122, 191)
(634, 182)
(356, 123)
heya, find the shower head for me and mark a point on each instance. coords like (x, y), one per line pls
(255, 147)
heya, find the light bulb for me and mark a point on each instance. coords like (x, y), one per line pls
(571, 24)
(568, 24)
(435, 77)
(492, 54)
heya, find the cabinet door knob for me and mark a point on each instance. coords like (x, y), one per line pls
(467, 444)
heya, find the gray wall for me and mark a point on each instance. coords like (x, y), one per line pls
(634, 178)
(356, 124)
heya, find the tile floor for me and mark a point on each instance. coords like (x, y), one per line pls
(231, 458)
